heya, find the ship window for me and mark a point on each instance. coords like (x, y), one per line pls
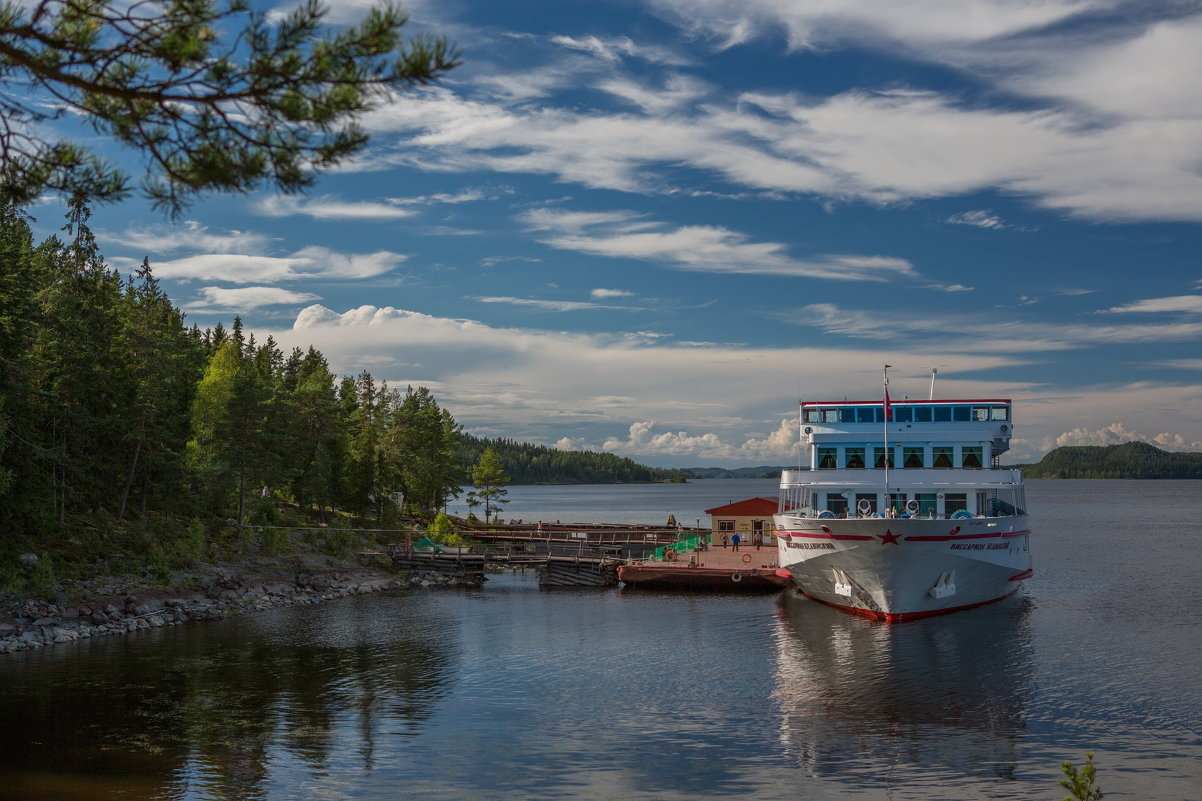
(836, 503)
(897, 502)
(922, 414)
(972, 457)
(926, 503)
(855, 457)
(941, 456)
(943, 414)
(848, 414)
(980, 414)
(903, 414)
(826, 458)
(1000, 413)
(954, 502)
(868, 414)
(812, 416)
(830, 415)
(912, 456)
(878, 458)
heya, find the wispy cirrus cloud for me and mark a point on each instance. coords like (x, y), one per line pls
(978, 219)
(1180, 303)
(700, 248)
(189, 235)
(327, 207)
(308, 262)
(221, 300)
(556, 305)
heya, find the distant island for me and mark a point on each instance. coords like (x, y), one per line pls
(539, 464)
(1129, 460)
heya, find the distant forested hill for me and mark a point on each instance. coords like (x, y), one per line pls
(763, 471)
(1129, 460)
(538, 464)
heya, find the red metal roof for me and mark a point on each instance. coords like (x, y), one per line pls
(752, 507)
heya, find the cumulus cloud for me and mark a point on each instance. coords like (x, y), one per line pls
(1118, 433)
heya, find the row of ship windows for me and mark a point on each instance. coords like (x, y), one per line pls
(907, 414)
(916, 456)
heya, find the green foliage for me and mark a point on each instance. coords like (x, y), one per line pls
(537, 464)
(1080, 785)
(490, 479)
(215, 96)
(1129, 460)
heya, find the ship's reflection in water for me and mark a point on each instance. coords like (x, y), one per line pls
(929, 703)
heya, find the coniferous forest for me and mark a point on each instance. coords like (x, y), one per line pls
(123, 430)
(115, 414)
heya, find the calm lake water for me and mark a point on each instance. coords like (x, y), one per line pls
(513, 693)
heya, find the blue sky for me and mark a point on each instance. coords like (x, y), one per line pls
(651, 226)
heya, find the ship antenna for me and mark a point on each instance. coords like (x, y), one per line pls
(934, 372)
(888, 415)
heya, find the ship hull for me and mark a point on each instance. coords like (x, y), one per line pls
(899, 569)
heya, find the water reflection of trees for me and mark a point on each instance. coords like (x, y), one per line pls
(214, 707)
(936, 700)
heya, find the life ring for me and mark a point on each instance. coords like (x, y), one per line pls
(961, 514)
(736, 577)
(746, 557)
(669, 554)
(864, 506)
(826, 514)
(912, 507)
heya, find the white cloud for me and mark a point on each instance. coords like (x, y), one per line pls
(700, 248)
(1180, 303)
(1116, 434)
(601, 294)
(1109, 127)
(309, 262)
(245, 299)
(327, 207)
(979, 219)
(967, 332)
(554, 305)
(190, 235)
(920, 24)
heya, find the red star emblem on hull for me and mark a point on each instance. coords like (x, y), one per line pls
(888, 536)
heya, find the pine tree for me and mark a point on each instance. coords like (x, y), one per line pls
(490, 480)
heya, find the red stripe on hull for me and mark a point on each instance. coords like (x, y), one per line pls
(903, 617)
(1026, 574)
(832, 536)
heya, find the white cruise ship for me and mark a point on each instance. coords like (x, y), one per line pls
(903, 511)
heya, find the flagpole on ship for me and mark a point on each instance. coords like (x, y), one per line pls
(886, 506)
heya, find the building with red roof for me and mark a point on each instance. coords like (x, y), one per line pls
(744, 518)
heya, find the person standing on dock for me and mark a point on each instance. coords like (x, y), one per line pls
(735, 542)
(724, 542)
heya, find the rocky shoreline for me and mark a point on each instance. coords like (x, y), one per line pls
(120, 605)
